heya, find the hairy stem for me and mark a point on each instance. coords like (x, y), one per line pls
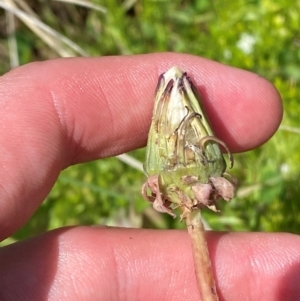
(203, 269)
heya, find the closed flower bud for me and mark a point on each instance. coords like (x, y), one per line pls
(184, 163)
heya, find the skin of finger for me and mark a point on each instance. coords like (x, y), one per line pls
(126, 264)
(68, 111)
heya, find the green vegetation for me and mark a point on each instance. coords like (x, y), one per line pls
(260, 36)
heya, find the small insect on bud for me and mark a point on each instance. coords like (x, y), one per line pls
(184, 163)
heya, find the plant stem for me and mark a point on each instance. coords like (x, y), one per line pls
(203, 269)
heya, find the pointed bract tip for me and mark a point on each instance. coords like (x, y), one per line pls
(173, 73)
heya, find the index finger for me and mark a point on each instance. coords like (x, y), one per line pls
(68, 111)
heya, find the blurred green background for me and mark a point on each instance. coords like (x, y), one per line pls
(260, 36)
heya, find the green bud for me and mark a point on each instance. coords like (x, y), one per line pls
(184, 163)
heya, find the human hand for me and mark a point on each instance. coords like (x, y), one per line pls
(67, 111)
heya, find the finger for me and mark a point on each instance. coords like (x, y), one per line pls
(127, 264)
(104, 105)
(63, 112)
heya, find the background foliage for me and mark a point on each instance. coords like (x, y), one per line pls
(260, 36)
